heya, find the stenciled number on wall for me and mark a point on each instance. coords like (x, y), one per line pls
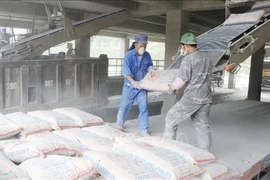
(12, 86)
(68, 82)
(48, 83)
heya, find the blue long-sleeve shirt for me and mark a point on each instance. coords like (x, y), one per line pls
(136, 67)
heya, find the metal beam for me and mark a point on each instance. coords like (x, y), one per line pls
(38, 44)
(169, 4)
(22, 8)
(150, 28)
(26, 9)
(202, 5)
(131, 32)
(149, 24)
(153, 20)
(215, 17)
(157, 29)
(125, 4)
(204, 19)
(148, 10)
(154, 26)
(121, 33)
(86, 6)
(23, 24)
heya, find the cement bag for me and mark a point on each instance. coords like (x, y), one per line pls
(162, 161)
(129, 137)
(58, 167)
(8, 128)
(245, 18)
(99, 178)
(9, 141)
(261, 4)
(231, 173)
(81, 118)
(217, 171)
(30, 124)
(112, 165)
(8, 170)
(57, 121)
(160, 82)
(105, 131)
(189, 152)
(213, 170)
(20, 150)
(51, 138)
(89, 140)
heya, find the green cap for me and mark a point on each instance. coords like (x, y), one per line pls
(188, 38)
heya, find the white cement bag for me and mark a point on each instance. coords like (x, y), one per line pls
(30, 124)
(20, 150)
(9, 141)
(8, 170)
(261, 4)
(87, 139)
(245, 18)
(81, 118)
(129, 137)
(8, 128)
(112, 165)
(186, 151)
(160, 82)
(58, 167)
(105, 131)
(197, 178)
(213, 170)
(217, 171)
(99, 178)
(57, 121)
(51, 138)
(231, 173)
(166, 164)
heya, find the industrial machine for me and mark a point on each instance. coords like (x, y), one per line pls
(31, 81)
(234, 41)
(218, 78)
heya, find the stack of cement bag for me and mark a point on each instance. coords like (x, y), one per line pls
(68, 143)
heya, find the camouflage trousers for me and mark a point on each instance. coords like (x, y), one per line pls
(199, 115)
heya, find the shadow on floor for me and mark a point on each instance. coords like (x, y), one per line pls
(110, 114)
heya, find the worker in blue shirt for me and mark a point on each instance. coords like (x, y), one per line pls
(137, 62)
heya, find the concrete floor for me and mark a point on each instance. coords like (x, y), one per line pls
(240, 132)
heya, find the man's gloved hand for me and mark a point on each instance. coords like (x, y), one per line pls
(136, 84)
(151, 70)
(171, 91)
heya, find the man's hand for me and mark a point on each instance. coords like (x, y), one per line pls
(152, 70)
(136, 84)
(171, 91)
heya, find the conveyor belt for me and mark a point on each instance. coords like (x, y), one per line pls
(35, 45)
(233, 40)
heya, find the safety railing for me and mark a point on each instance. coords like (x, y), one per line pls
(116, 66)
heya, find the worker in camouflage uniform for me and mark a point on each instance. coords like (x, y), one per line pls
(195, 72)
